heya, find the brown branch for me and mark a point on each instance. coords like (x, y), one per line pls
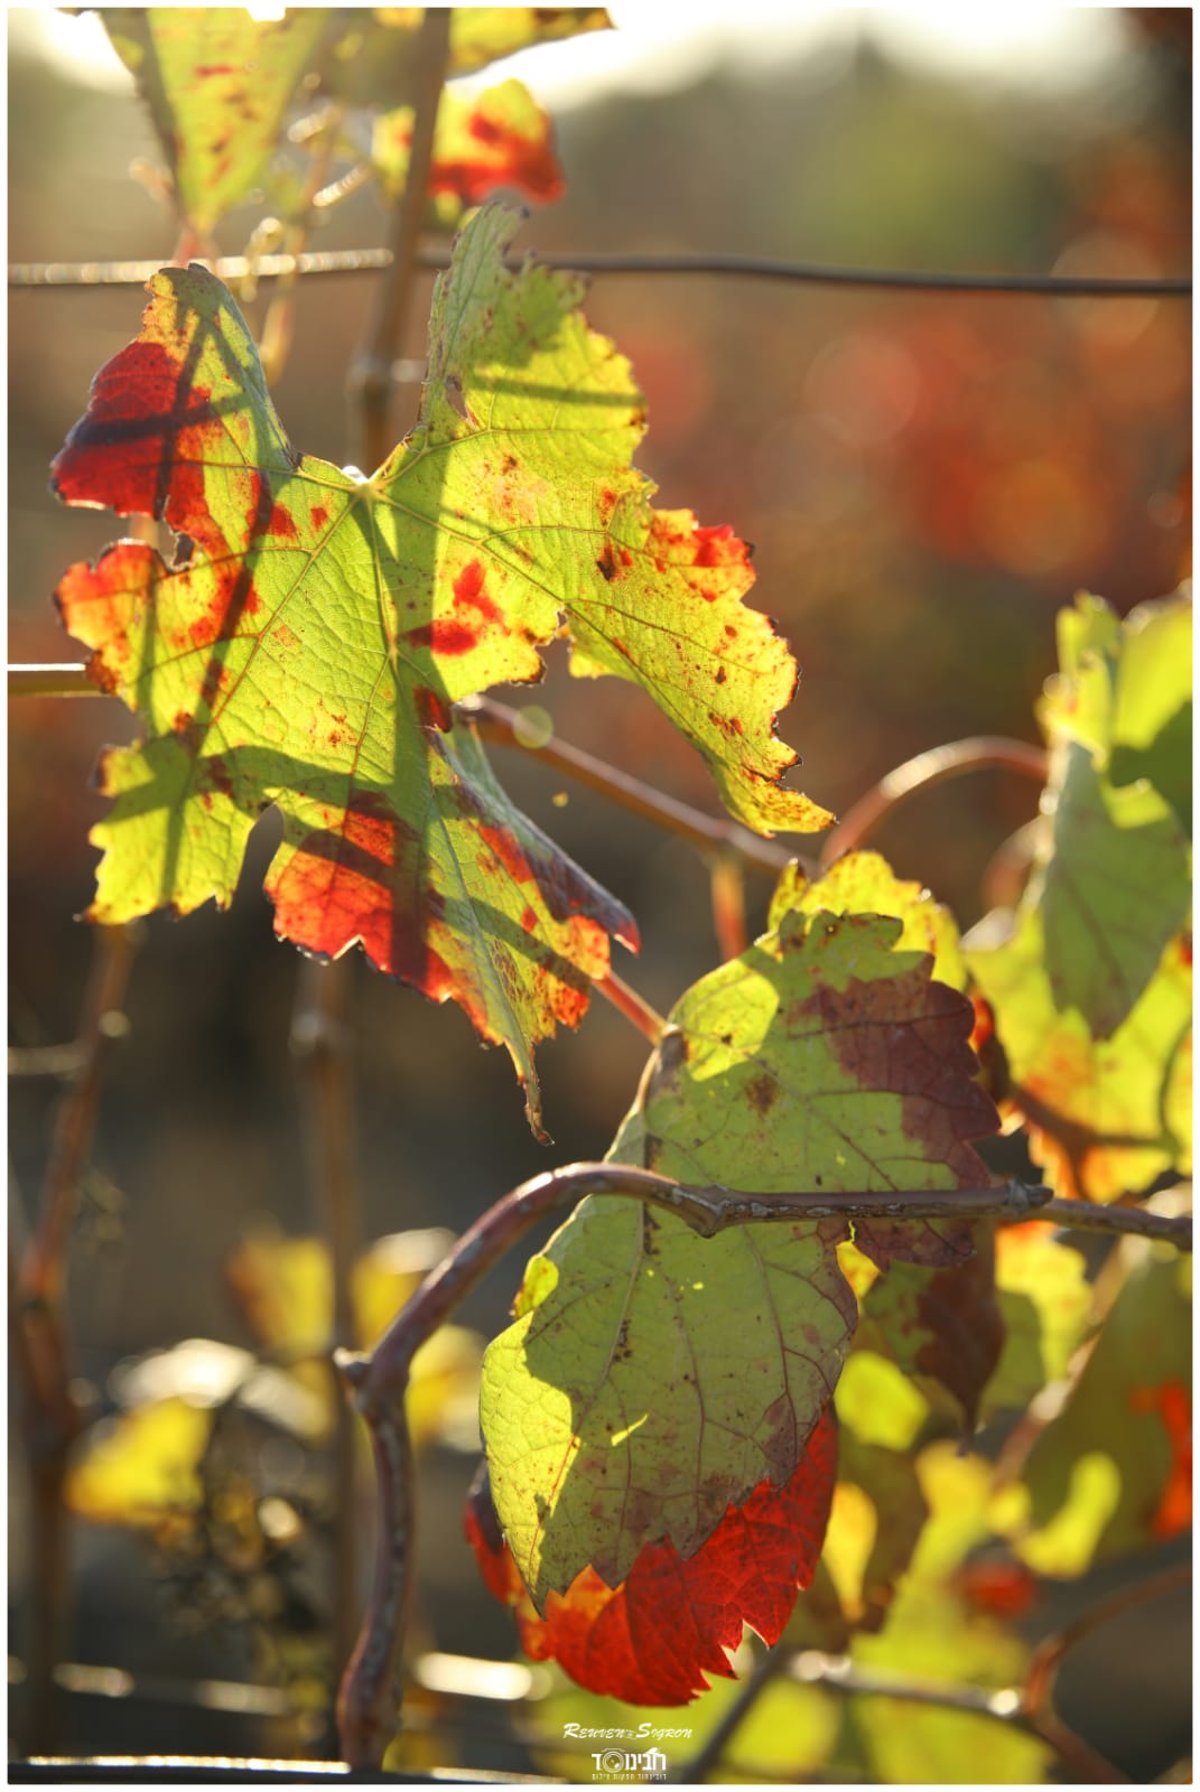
(979, 753)
(634, 1007)
(728, 889)
(52, 681)
(370, 1693)
(1048, 1656)
(320, 1043)
(496, 722)
(371, 379)
(1138, 1222)
(67, 276)
(278, 328)
(38, 1322)
(766, 1669)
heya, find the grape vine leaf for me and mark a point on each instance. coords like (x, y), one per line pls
(369, 58)
(218, 84)
(142, 1466)
(653, 1378)
(1103, 1116)
(306, 645)
(1115, 876)
(652, 1639)
(499, 138)
(1112, 1472)
(1089, 982)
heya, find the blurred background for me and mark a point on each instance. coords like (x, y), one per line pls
(927, 479)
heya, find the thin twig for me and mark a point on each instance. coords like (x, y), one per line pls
(1048, 1656)
(496, 722)
(728, 887)
(69, 275)
(275, 344)
(49, 680)
(978, 753)
(634, 1007)
(320, 1041)
(1138, 1222)
(1006, 1706)
(38, 1314)
(766, 1669)
(371, 378)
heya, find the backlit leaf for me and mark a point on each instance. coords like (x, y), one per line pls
(1103, 1116)
(654, 1378)
(218, 84)
(1132, 1406)
(1045, 1299)
(500, 138)
(653, 1639)
(370, 56)
(306, 648)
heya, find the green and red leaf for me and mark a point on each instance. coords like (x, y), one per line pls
(654, 1638)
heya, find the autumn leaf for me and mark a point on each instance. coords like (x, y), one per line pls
(306, 646)
(1045, 1301)
(654, 1378)
(1089, 982)
(653, 1639)
(141, 1466)
(218, 84)
(500, 138)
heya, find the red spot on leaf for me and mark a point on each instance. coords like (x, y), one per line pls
(528, 919)
(318, 516)
(469, 591)
(1172, 1402)
(282, 523)
(653, 1639)
(507, 848)
(1006, 1589)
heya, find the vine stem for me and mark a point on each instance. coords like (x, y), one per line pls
(978, 753)
(372, 384)
(38, 1324)
(497, 723)
(68, 276)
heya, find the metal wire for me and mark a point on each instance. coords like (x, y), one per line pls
(67, 276)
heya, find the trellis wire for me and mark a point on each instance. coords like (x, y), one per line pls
(68, 276)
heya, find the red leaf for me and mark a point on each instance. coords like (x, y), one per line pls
(652, 1640)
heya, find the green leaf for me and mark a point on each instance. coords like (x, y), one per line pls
(218, 84)
(863, 883)
(1112, 1472)
(653, 1377)
(1104, 1116)
(1115, 881)
(305, 647)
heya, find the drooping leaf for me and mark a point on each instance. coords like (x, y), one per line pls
(307, 647)
(500, 138)
(1103, 1116)
(218, 84)
(652, 1639)
(1112, 1472)
(369, 60)
(653, 1378)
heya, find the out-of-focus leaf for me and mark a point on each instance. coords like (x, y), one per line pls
(1132, 1406)
(1104, 1116)
(369, 60)
(142, 1466)
(935, 1633)
(1045, 1298)
(501, 138)
(218, 84)
(942, 1326)
(653, 1378)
